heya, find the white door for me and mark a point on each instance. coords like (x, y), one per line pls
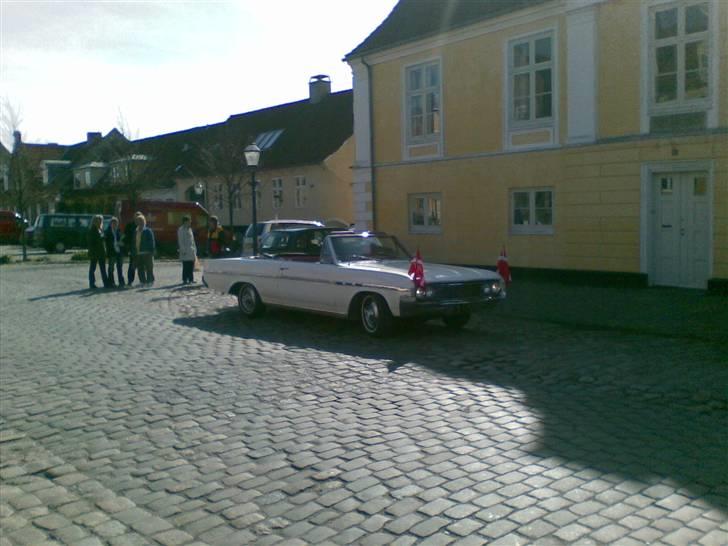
(681, 230)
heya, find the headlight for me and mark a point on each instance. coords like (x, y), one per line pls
(423, 293)
(492, 288)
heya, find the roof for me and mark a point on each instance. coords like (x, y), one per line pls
(309, 132)
(413, 20)
(297, 133)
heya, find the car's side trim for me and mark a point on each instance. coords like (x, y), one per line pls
(373, 286)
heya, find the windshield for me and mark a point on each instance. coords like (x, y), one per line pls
(259, 230)
(373, 247)
(275, 241)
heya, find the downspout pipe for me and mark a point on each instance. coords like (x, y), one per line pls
(371, 143)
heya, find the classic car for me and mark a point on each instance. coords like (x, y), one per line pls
(360, 276)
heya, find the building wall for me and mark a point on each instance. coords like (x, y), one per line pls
(599, 207)
(596, 203)
(328, 191)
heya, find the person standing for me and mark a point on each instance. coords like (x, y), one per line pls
(130, 249)
(144, 245)
(187, 249)
(96, 252)
(215, 239)
(114, 252)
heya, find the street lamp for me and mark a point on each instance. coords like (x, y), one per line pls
(199, 188)
(252, 157)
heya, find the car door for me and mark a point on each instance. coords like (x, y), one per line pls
(308, 284)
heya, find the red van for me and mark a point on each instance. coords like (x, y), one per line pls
(164, 217)
(11, 226)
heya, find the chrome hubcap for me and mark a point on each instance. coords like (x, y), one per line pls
(370, 314)
(247, 300)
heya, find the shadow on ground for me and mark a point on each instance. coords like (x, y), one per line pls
(632, 417)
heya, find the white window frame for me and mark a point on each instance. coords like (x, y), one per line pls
(428, 227)
(681, 103)
(301, 192)
(708, 104)
(531, 69)
(550, 124)
(411, 143)
(237, 195)
(217, 196)
(531, 228)
(277, 196)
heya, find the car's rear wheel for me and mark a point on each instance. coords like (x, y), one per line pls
(455, 322)
(376, 319)
(59, 247)
(249, 301)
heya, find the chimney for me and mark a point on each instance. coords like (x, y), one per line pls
(92, 137)
(319, 87)
(17, 140)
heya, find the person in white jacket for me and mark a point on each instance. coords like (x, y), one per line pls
(187, 250)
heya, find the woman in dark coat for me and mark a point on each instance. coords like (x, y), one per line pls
(96, 252)
(113, 239)
(144, 248)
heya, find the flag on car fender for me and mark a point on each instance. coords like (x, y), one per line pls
(417, 270)
(502, 266)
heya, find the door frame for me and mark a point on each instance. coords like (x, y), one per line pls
(647, 208)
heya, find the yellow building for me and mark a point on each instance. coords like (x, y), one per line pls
(307, 149)
(582, 135)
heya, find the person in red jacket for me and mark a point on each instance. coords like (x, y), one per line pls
(215, 239)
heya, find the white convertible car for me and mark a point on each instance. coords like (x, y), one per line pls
(360, 276)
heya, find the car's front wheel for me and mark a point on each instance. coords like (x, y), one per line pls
(59, 247)
(455, 322)
(249, 301)
(376, 319)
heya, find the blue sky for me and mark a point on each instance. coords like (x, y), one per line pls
(70, 67)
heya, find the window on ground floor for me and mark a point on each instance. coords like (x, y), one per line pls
(532, 211)
(425, 212)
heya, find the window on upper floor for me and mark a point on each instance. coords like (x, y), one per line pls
(277, 185)
(217, 196)
(531, 81)
(5, 176)
(425, 212)
(237, 196)
(532, 211)
(680, 64)
(423, 110)
(301, 192)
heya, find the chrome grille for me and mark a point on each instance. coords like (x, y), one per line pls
(454, 291)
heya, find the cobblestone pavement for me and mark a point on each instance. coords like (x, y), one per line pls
(158, 416)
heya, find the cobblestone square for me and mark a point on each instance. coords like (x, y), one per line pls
(159, 416)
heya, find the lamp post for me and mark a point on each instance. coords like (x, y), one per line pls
(200, 188)
(252, 157)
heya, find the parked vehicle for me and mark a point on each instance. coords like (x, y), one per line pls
(271, 225)
(362, 276)
(303, 244)
(58, 232)
(164, 217)
(12, 225)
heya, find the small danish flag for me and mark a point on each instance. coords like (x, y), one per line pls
(417, 270)
(503, 270)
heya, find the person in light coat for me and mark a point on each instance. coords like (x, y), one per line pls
(187, 250)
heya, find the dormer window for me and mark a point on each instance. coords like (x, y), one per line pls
(265, 141)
